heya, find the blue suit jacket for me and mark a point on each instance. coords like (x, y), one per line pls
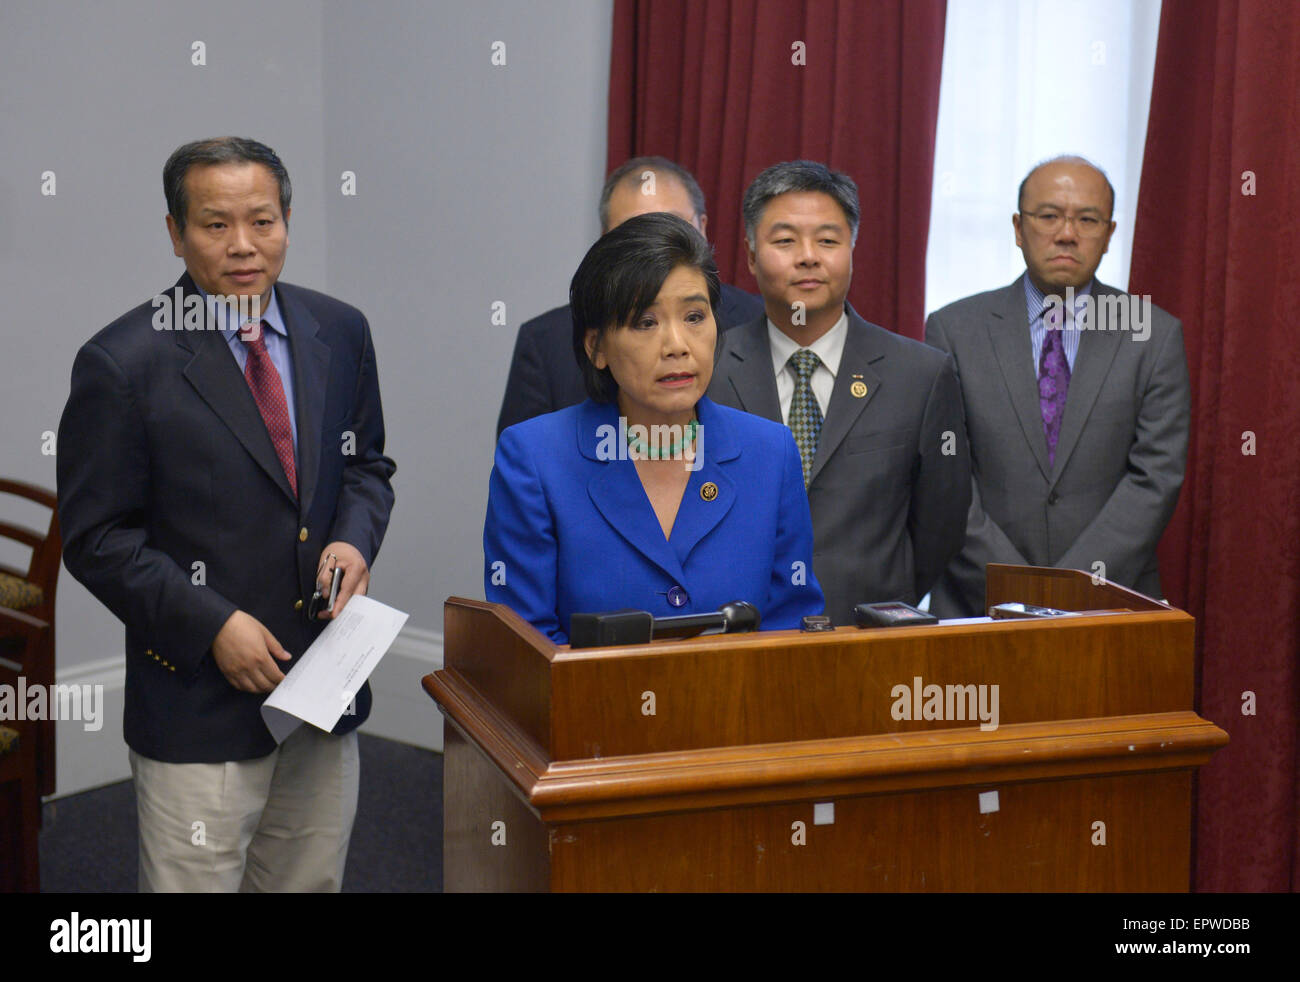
(569, 532)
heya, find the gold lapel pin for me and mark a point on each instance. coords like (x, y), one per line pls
(709, 491)
(859, 389)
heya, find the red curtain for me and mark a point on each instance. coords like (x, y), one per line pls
(729, 87)
(1215, 242)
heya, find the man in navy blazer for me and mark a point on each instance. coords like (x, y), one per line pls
(208, 469)
(543, 376)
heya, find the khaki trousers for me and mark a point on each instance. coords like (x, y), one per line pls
(280, 823)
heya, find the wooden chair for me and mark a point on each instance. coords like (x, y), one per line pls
(20, 800)
(31, 592)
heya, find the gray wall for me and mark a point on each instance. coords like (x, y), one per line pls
(475, 183)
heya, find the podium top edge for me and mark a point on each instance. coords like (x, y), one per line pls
(958, 627)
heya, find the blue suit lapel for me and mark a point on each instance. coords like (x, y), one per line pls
(698, 515)
(619, 496)
(616, 490)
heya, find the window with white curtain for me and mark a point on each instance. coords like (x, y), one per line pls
(1024, 80)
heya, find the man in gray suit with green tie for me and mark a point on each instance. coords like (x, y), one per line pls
(1077, 402)
(877, 417)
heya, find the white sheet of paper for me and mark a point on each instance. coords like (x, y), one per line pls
(321, 687)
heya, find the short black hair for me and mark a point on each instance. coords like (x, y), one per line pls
(622, 274)
(660, 166)
(1065, 158)
(219, 150)
(800, 175)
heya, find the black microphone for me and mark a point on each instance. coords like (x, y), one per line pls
(617, 627)
(733, 618)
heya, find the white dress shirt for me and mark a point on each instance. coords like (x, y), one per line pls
(829, 348)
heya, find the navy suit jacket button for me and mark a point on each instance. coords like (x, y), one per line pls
(677, 597)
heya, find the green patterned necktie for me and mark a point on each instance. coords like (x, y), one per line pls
(805, 414)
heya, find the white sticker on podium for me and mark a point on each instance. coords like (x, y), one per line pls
(988, 802)
(824, 813)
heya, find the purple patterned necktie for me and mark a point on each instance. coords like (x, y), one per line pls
(1053, 380)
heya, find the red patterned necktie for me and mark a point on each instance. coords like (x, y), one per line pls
(268, 393)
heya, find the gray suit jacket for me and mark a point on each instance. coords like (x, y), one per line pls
(1119, 460)
(891, 480)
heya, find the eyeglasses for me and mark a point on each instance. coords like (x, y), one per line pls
(1050, 222)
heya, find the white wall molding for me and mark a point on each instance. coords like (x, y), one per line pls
(88, 759)
(403, 711)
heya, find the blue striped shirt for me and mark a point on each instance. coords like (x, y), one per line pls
(1036, 307)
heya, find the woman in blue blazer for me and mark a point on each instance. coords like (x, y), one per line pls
(648, 495)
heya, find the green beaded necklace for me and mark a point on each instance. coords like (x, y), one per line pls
(657, 453)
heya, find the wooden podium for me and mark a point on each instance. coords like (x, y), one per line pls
(775, 761)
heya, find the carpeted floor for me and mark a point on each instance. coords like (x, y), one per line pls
(88, 841)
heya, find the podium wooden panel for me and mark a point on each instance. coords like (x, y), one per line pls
(556, 778)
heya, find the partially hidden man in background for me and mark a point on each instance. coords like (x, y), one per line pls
(543, 376)
(877, 417)
(207, 480)
(1077, 402)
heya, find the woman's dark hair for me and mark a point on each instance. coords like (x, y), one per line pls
(622, 274)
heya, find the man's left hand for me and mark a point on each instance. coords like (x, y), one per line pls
(355, 578)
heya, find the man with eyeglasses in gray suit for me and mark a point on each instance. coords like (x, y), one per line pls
(1077, 402)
